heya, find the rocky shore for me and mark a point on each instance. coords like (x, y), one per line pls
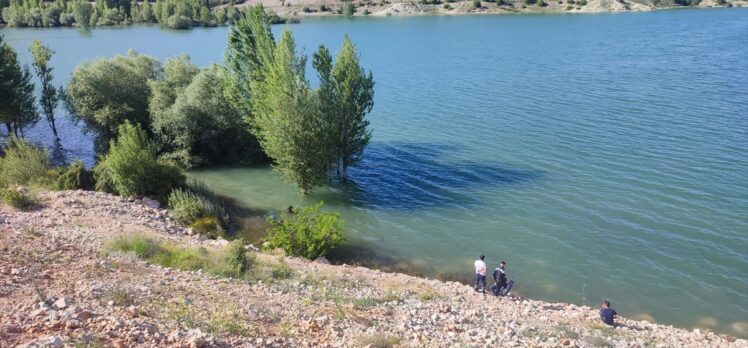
(57, 288)
(302, 8)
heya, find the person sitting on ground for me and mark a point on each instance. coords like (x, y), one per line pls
(480, 275)
(607, 314)
(499, 279)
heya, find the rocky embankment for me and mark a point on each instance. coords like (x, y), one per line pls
(57, 289)
(300, 8)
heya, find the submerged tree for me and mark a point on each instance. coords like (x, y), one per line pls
(287, 120)
(49, 97)
(107, 92)
(17, 109)
(347, 96)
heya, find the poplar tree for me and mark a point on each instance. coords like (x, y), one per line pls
(17, 109)
(82, 11)
(49, 97)
(287, 119)
(347, 96)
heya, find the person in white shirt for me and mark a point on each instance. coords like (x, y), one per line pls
(480, 275)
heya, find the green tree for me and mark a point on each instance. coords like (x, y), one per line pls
(17, 109)
(82, 12)
(132, 167)
(49, 97)
(193, 120)
(288, 120)
(107, 92)
(250, 50)
(347, 96)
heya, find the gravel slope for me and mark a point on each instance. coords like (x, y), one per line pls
(54, 254)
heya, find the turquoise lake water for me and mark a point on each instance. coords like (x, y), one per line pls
(601, 156)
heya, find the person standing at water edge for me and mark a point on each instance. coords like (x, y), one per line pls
(607, 314)
(480, 275)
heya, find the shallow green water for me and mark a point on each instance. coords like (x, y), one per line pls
(601, 156)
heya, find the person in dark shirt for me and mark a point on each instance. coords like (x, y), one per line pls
(499, 279)
(607, 314)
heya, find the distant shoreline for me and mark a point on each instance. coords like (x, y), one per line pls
(294, 13)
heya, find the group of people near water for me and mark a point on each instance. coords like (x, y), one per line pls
(501, 287)
(500, 284)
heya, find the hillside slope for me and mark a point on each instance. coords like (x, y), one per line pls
(58, 288)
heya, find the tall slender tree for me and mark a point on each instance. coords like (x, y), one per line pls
(287, 119)
(49, 96)
(347, 96)
(17, 109)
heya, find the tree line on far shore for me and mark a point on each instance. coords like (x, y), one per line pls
(176, 14)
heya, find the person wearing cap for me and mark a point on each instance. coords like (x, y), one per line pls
(480, 274)
(607, 314)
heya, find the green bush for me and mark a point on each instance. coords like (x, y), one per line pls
(19, 200)
(281, 270)
(208, 226)
(307, 232)
(132, 168)
(476, 4)
(22, 163)
(74, 177)
(237, 257)
(189, 206)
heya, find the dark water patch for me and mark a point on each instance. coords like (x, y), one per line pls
(416, 176)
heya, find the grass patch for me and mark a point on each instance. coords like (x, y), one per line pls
(231, 261)
(378, 340)
(598, 341)
(20, 200)
(226, 319)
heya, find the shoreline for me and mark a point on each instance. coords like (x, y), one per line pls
(463, 8)
(323, 304)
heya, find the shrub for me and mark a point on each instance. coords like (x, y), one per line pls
(307, 232)
(199, 208)
(23, 163)
(131, 167)
(238, 258)
(282, 270)
(476, 4)
(74, 177)
(323, 8)
(447, 7)
(208, 226)
(19, 199)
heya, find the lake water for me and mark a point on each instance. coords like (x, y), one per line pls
(601, 156)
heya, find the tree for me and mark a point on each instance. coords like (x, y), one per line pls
(105, 93)
(347, 96)
(194, 122)
(82, 11)
(17, 109)
(49, 97)
(287, 119)
(250, 50)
